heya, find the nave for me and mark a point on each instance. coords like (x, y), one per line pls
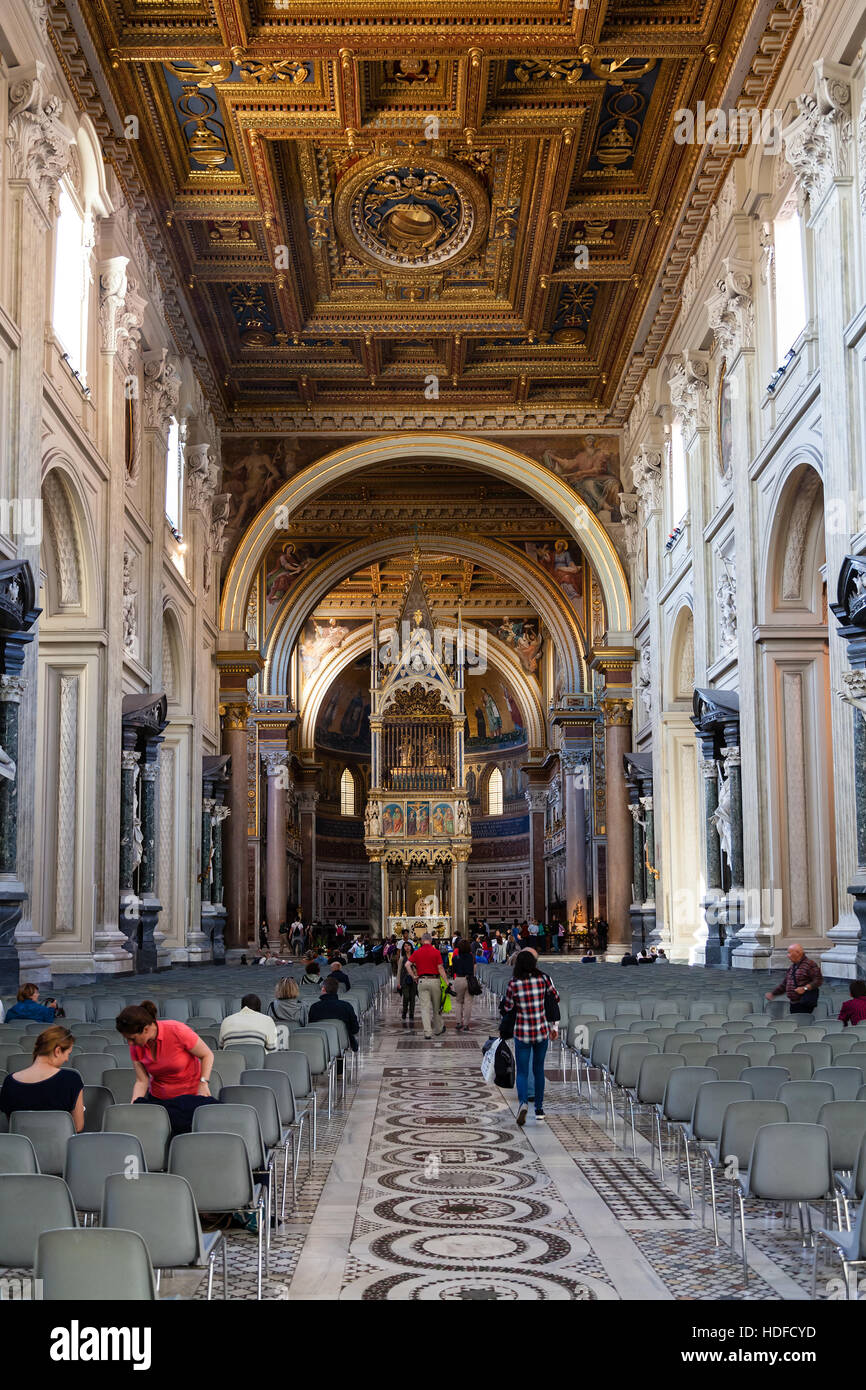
(423, 1187)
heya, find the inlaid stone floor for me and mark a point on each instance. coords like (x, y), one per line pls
(432, 1192)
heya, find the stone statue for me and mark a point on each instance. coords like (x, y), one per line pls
(726, 593)
(129, 616)
(644, 681)
(462, 816)
(137, 843)
(373, 820)
(7, 766)
(721, 817)
(406, 753)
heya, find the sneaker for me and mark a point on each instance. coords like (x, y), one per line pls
(460, 1028)
(539, 1115)
(521, 1116)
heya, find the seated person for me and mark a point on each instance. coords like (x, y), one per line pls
(628, 959)
(249, 1025)
(330, 1006)
(286, 1005)
(590, 958)
(46, 1084)
(29, 1009)
(312, 973)
(338, 973)
(854, 1009)
(172, 1064)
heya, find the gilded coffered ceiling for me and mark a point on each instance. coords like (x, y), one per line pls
(459, 207)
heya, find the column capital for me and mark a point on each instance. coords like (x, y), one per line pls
(573, 759)
(274, 761)
(236, 715)
(853, 690)
(617, 713)
(161, 389)
(629, 510)
(200, 474)
(647, 474)
(12, 689)
(129, 759)
(731, 309)
(38, 142)
(536, 799)
(307, 798)
(818, 143)
(121, 309)
(689, 387)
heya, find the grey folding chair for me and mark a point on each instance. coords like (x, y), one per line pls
(760, 1053)
(315, 1047)
(296, 1066)
(676, 1110)
(48, 1132)
(729, 1065)
(789, 1163)
(231, 1065)
(94, 1266)
(161, 1208)
(253, 1053)
(97, 1100)
(151, 1127)
(91, 1158)
(242, 1117)
(217, 1168)
(263, 1099)
(698, 1054)
(846, 1081)
(91, 1066)
(655, 1069)
(174, 1008)
(805, 1099)
(799, 1064)
(291, 1119)
(29, 1204)
(852, 1185)
(625, 1071)
(17, 1154)
(849, 1245)
(704, 1128)
(818, 1051)
(730, 1155)
(765, 1080)
(120, 1081)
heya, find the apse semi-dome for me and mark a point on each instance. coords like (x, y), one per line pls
(411, 214)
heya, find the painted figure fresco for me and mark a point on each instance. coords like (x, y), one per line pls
(593, 471)
(524, 639)
(561, 563)
(320, 641)
(417, 818)
(494, 718)
(392, 818)
(442, 819)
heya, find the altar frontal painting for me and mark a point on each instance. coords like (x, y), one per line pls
(392, 818)
(417, 818)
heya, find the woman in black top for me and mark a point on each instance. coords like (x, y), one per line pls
(464, 968)
(46, 1084)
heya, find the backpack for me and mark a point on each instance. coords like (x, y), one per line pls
(503, 1066)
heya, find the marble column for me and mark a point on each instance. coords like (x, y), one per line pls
(11, 891)
(731, 757)
(536, 800)
(129, 908)
(848, 955)
(276, 868)
(376, 914)
(219, 814)
(576, 766)
(618, 825)
(460, 892)
(235, 851)
(150, 908)
(649, 860)
(307, 798)
(637, 852)
(206, 874)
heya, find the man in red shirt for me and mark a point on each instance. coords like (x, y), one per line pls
(425, 965)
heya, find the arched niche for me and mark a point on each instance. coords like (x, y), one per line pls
(175, 665)
(793, 587)
(71, 587)
(680, 676)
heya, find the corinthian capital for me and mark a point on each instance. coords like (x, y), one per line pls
(854, 689)
(199, 472)
(161, 389)
(37, 140)
(647, 473)
(818, 142)
(690, 391)
(629, 504)
(730, 309)
(121, 309)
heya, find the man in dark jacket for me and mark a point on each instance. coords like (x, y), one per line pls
(338, 973)
(330, 1006)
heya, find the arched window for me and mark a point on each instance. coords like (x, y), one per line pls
(174, 477)
(789, 281)
(679, 475)
(69, 316)
(494, 793)
(347, 794)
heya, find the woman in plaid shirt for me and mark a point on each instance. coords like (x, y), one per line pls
(532, 1032)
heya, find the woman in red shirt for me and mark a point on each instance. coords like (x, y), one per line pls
(854, 1009)
(172, 1064)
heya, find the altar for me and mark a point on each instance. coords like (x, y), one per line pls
(417, 926)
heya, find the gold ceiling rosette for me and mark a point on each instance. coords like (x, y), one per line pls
(411, 213)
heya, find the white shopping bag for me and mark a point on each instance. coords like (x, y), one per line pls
(488, 1062)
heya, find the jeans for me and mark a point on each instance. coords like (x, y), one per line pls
(409, 992)
(805, 1002)
(537, 1051)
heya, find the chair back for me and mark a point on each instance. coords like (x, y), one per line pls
(17, 1154)
(97, 1100)
(150, 1125)
(48, 1132)
(175, 1008)
(729, 1065)
(765, 1080)
(845, 1122)
(791, 1162)
(94, 1266)
(697, 1054)
(740, 1124)
(841, 1042)
(652, 1078)
(216, 1166)
(819, 1052)
(711, 1102)
(799, 1064)
(91, 1158)
(628, 1062)
(846, 1081)
(736, 1027)
(263, 1099)
(681, 1090)
(161, 1208)
(677, 1041)
(231, 1065)
(279, 1083)
(296, 1066)
(234, 1118)
(91, 1066)
(805, 1099)
(29, 1204)
(315, 1047)
(760, 1053)
(120, 1082)
(253, 1053)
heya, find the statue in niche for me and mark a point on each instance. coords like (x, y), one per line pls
(726, 593)
(7, 766)
(406, 753)
(721, 817)
(644, 681)
(430, 755)
(128, 604)
(373, 820)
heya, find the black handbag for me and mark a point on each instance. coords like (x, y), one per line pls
(507, 1022)
(473, 986)
(551, 1008)
(503, 1066)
